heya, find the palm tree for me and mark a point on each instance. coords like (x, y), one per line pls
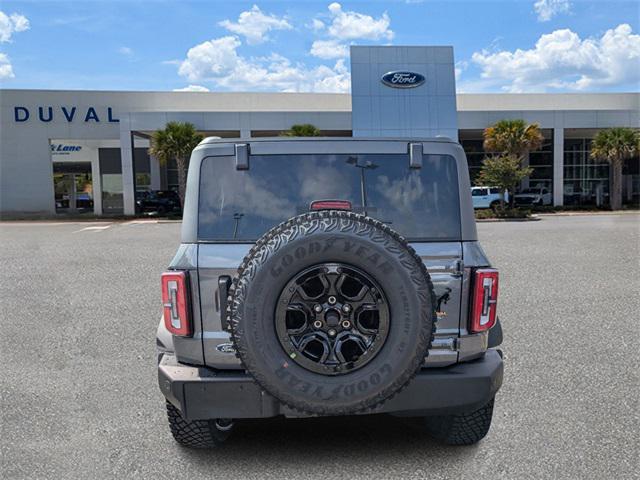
(615, 145)
(513, 137)
(302, 130)
(176, 141)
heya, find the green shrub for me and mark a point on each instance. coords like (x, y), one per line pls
(502, 213)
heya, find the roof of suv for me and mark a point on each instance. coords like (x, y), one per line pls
(439, 139)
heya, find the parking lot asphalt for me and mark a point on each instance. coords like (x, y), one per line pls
(80, 305)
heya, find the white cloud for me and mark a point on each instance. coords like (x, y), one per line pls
(126, 51)
(192, 88)
(10, 24)
(562, 60)
(329, 49)
(316, 25)
(460, 67)
(213, 58)
(254, 25)
(6, 70)
(347, 25)
(547, 9)
(218, 61)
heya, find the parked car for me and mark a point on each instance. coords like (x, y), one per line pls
(84, 200)
(160, 202)
(282, 300)
(487, 197)
(533, 196)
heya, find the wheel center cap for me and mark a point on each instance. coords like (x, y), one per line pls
(332, 317)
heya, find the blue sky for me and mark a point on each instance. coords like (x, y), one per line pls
(500, 46)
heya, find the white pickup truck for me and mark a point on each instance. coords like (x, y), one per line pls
(534, 196)
(487, 197)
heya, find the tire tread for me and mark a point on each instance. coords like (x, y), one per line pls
(193, 433)
(465, 429)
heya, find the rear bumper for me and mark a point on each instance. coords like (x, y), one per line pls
(202, 393)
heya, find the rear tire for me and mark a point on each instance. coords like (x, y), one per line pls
(197, 433)
(465, 429)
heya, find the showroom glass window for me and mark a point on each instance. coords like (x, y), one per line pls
(586, 181)
(541, 161)
(111, 180)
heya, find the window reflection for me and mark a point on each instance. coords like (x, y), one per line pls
(242, 205)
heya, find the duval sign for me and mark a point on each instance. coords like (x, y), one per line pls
(402, 79)
(47, 114)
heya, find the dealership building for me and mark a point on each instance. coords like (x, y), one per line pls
(86, 151)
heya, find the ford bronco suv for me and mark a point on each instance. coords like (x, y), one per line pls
(327, 276)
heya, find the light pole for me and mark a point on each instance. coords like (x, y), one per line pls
(368, 165)
(236, 218)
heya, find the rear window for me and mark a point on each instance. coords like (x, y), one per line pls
(241, 205)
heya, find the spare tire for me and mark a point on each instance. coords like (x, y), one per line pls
(332, 312)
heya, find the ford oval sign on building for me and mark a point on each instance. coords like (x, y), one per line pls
(400, 79)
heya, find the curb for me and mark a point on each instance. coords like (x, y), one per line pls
(85, 221)
(495, 220)
(576, 214)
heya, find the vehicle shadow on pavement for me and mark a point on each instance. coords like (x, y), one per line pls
(362, 441)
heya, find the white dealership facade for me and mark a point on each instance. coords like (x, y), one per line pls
(93, 144)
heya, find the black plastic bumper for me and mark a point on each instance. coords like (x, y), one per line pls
(202, 393)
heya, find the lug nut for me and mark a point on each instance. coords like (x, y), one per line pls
(331, 300)
(318, 308)
(332, 332)
(346, 324)
(346, 308)
(317, 324)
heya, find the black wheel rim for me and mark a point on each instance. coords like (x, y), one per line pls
(332, 318)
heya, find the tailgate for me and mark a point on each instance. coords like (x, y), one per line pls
(443, 261)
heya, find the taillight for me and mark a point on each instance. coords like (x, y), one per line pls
(175, 300)
(330, 205)
(485, 299)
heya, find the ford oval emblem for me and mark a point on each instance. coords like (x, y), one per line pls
(401, 79)
(226, 348)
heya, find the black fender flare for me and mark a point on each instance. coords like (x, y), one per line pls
(495, 335)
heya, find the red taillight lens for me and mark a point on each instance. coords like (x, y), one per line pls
(330, 205)
(175, 300)
(485, 299)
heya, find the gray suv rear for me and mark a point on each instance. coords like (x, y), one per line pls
(328, 276)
